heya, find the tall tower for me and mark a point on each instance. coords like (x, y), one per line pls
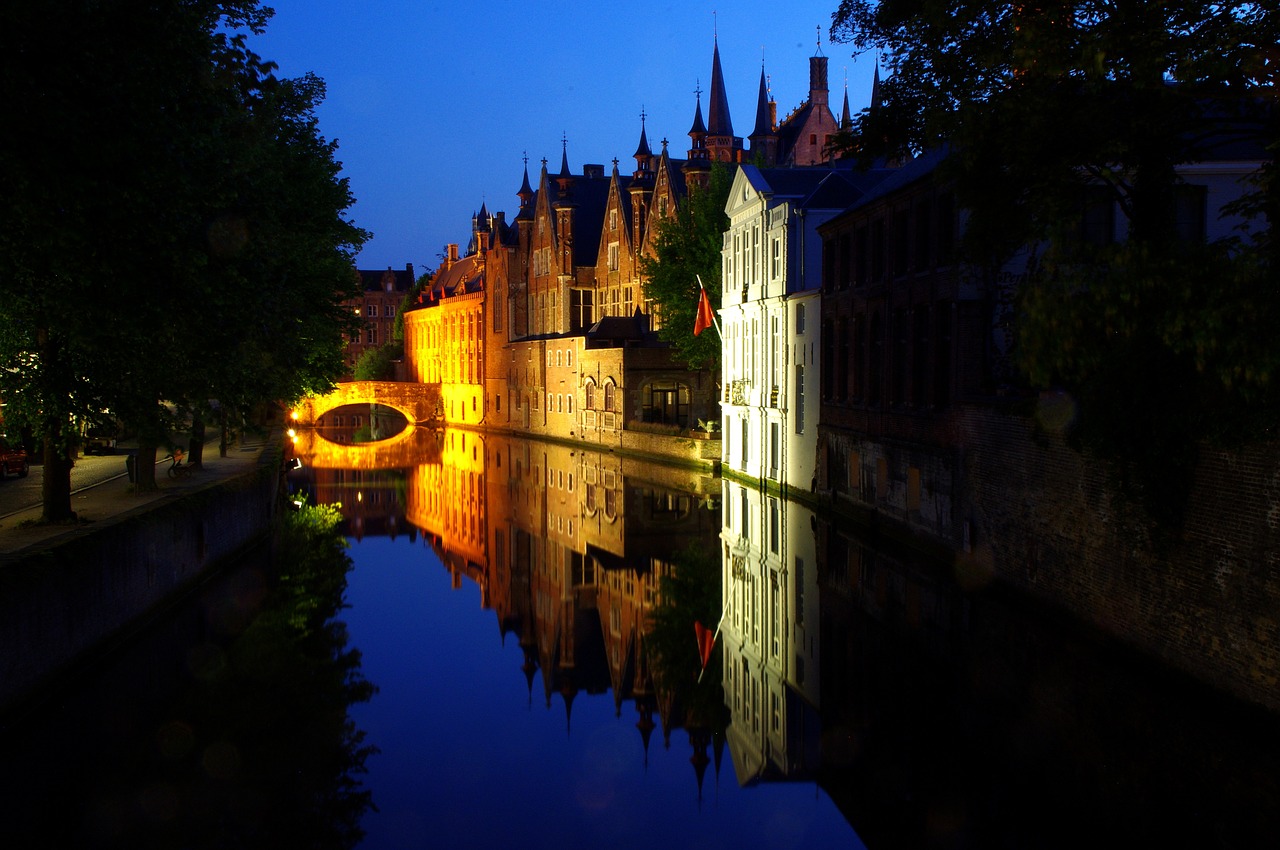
(721, 144)
(764, 136)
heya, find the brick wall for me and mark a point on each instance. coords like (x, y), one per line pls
(1019, 507)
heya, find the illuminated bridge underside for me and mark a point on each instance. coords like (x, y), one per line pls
(411, 447)
(418, 402)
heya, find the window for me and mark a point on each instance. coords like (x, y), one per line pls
(608, 396)
(388, 311)
(1189, 212)
(371, 336)
(1097, 217)
(775, 449)
(799, 398)
(371, 310)
(777, 258)
(845, 261)
(924, 234)
(799, 318)
(613, 256)
(901, 243)
(591, 395)
(775, 530)
(877, 250)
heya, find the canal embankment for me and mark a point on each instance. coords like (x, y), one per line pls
(68, 592)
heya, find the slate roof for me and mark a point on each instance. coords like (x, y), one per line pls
(372, 280)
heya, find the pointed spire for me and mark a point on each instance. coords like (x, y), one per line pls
(764, 123)
(526, 191)
(875, 88)
(699, 128)
(642, 153)
(845, 120)
(718, 121)
(564, 156)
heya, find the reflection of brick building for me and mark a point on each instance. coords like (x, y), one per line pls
(384, 291)
(566, 552)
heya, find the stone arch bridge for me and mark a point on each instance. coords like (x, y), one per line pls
(420, 403)
(413, 446)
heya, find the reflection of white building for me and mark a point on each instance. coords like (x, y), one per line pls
(770, 634)
(771, 271)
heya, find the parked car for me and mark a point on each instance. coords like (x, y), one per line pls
(101, 438)
(13, 459)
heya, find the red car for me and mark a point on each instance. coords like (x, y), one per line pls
(13, 459)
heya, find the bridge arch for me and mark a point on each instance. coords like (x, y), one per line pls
(411, 447)
(420, 403)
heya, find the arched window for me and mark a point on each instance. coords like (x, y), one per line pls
(591, 395)
(608, 396)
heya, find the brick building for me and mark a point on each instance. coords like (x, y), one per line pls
(382, 294)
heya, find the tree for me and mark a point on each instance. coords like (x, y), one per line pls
(1051, 107)
(687, 247)
(173, 225)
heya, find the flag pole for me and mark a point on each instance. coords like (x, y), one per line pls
(716, 636)
(714, 323)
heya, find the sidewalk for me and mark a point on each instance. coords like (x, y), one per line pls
(113, 497)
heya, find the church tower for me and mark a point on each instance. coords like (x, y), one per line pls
(712, 141)
(764, 136)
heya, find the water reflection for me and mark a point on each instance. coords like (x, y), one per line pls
(933, 714)
(225, 725)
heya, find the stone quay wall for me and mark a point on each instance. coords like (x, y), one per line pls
(65, 600)
(1010, 503)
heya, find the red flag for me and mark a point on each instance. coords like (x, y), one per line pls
(706, 642)
(705, 315)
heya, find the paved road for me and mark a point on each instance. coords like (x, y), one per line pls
(20, 494)
(100, 489)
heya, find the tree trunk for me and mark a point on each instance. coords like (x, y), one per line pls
(222, 430)
(195, 453)
(55, 491)
(144, 466)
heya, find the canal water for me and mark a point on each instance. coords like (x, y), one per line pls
(538, 645)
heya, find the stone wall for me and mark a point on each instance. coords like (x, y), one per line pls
(63, 601)
(1015, 505)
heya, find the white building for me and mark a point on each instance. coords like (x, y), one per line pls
(770, 303)
(770, 634)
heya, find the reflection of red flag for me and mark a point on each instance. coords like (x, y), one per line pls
(704, 319)
(706, 642)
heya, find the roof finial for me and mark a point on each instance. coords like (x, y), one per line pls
(715, 25)
(819, 29)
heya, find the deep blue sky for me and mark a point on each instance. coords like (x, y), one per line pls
(433, 104)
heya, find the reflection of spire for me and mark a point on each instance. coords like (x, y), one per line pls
(568, 693)
(699, 739)
(530, 667)
(646, 726)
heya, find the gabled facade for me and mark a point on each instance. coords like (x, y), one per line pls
(771, 319)
(383, 293)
